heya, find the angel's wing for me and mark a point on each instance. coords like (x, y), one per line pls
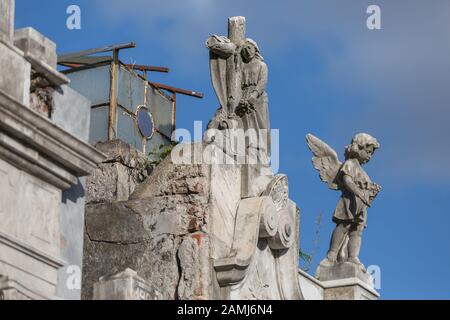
(325, 160)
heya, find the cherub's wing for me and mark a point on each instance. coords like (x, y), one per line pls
(325, 160)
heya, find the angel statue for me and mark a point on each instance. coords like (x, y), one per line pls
(358, 193)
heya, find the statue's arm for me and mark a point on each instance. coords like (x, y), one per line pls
(221, 46)
(350, 185)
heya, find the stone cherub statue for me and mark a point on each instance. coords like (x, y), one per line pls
(358, 192)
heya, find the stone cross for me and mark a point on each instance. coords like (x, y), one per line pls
(236, 33)
(7, 21)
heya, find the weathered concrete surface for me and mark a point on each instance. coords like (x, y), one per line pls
(70, 105)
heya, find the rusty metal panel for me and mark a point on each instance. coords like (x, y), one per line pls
(99, 124)
(131, 90)
(161, 108)
(93, 83)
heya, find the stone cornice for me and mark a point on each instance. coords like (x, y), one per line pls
(34, 144)
(30, 251)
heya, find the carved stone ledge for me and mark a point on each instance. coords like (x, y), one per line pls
(36, 145)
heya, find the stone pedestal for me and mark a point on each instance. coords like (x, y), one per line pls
(348, 289)
(341, 289)
(126, 285)
(343, 270)
(345, 281)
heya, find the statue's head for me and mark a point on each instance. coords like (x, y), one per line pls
(250, 50)
(363, 146)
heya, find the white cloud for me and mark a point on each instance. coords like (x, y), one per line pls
(404, 68)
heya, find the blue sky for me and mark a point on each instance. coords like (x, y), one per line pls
(328, 75)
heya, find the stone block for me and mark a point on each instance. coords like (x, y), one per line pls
(15, 75)
(348, 289)
(41, 53)
(32, 43)
(7, 21)
(343, 270)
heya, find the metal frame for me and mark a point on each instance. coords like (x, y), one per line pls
(81, 60)
(136, 120)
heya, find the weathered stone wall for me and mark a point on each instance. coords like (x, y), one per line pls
(162, 237)
(180, 228)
